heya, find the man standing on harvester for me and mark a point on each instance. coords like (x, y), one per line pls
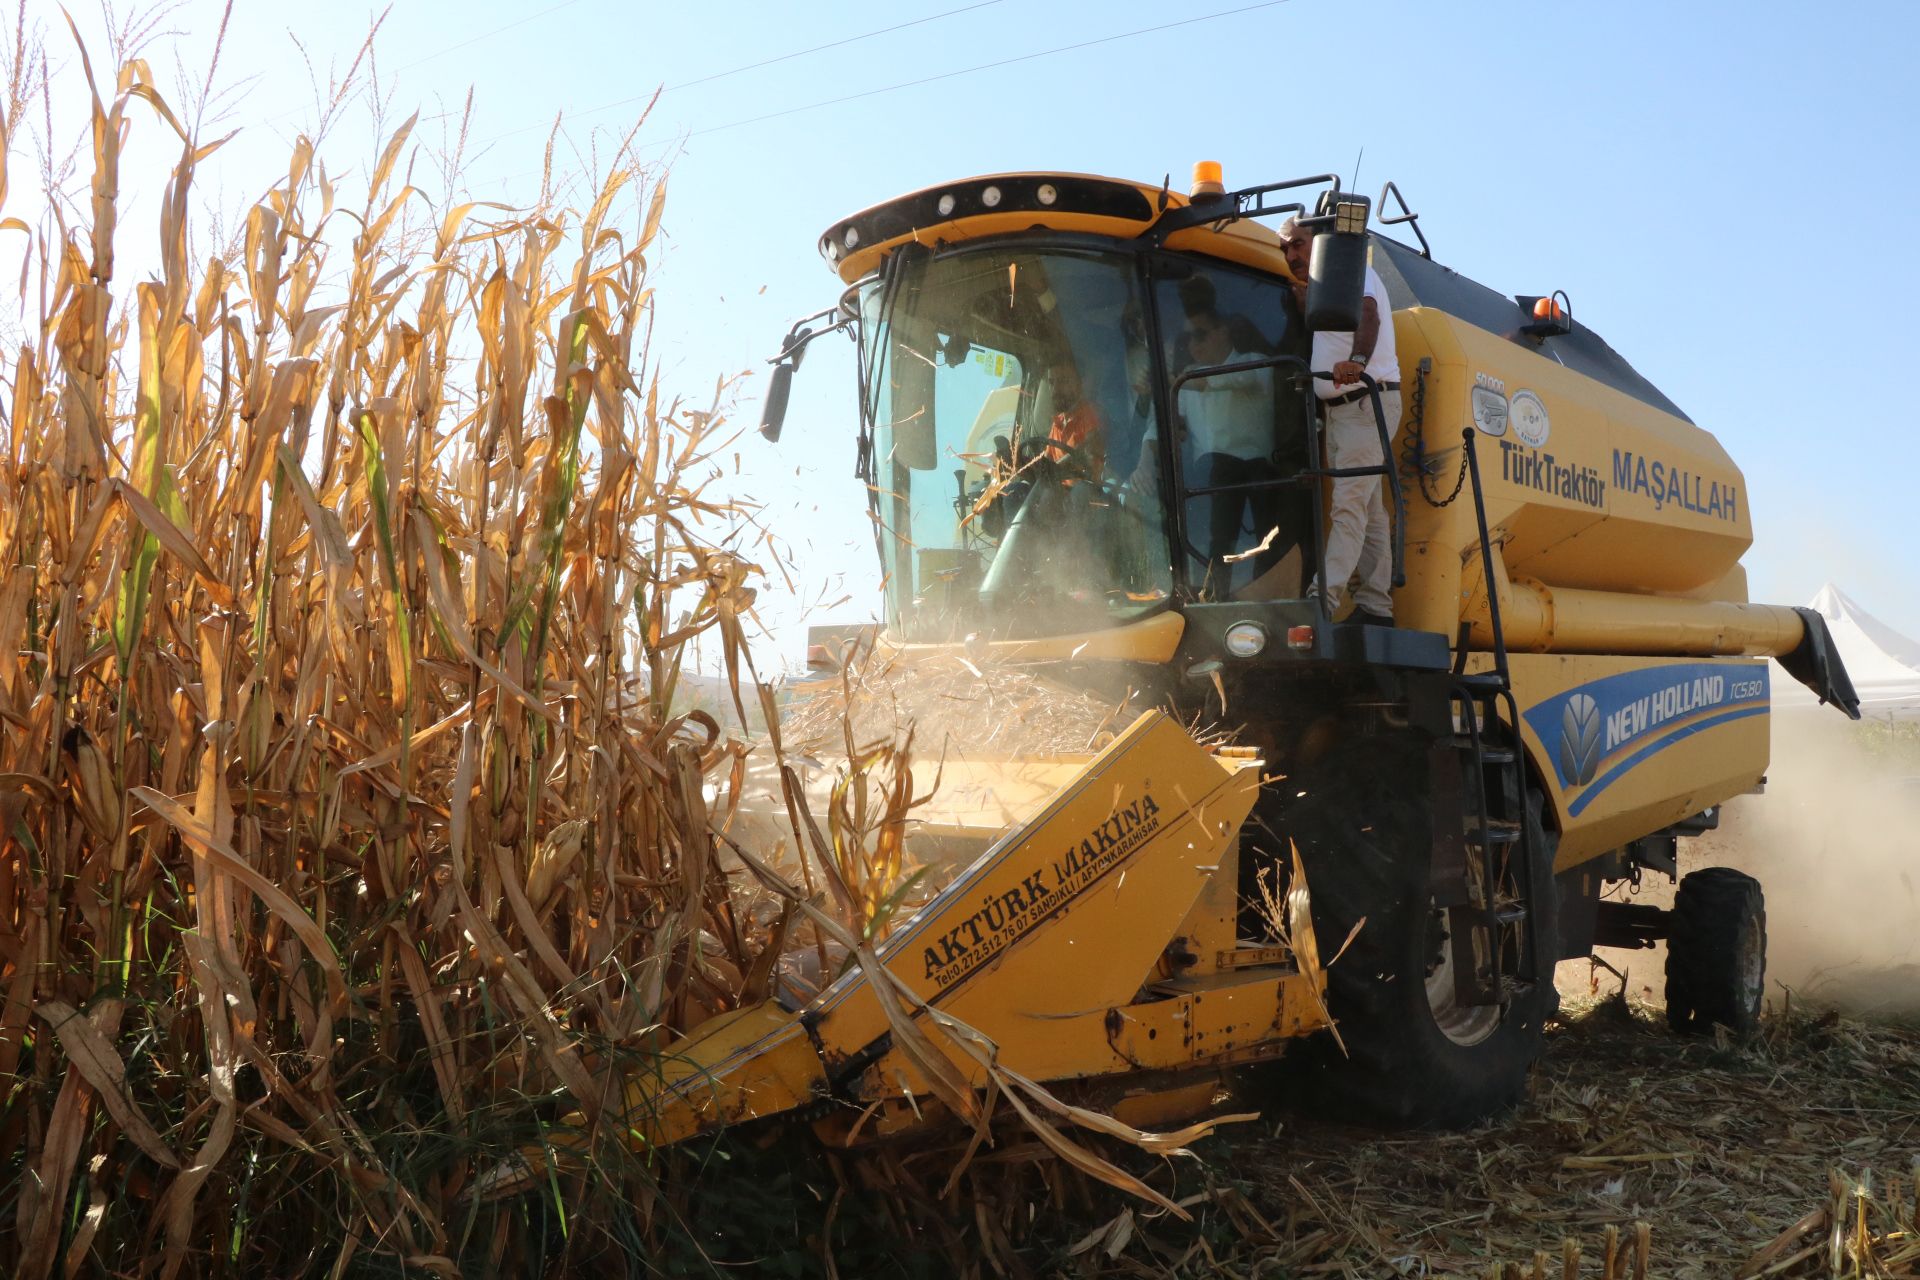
(1360, 541)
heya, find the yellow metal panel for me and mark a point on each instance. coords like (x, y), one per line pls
(1222, 1022)
(1626, 746)
(1154, 639)
(1611, 494)
(1250, 1017)
(1251, 244)
(1212, 927)
(1061, 922)
(741, 1065)
(1070, 911)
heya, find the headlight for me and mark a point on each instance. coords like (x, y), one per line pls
(1246, 639)
(1046, 193)
(946, 206)
(990, 197)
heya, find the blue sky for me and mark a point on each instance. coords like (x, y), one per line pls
(1725, 191)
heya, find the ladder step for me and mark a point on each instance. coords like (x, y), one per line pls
(1488, 755)
(1497, 831)
(1481, 682)
(1498, 917)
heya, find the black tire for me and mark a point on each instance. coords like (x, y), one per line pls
(1717, 952)
(1363, 840)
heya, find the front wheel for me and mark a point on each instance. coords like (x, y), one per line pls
(1415, 1055)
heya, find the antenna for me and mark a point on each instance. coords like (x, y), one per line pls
(1355, 184)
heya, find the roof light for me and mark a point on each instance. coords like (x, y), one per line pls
(946, 205)
(990, 197)
(1046, 194)
(853, 236)
(1546, 309)
(1208, 179)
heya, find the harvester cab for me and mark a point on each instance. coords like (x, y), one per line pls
(1089, 438)
(1068, 431)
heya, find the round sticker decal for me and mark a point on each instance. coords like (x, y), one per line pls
(1530, 422)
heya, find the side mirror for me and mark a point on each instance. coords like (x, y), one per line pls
(1337, 271)
(774, 412)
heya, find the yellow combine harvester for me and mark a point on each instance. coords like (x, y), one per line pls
(1576, 678)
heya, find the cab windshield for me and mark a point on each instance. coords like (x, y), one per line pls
(1013, 433)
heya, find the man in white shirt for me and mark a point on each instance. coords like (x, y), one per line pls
(1360, 540)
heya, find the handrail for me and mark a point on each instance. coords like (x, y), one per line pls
(1486, 559)
(1234, 205)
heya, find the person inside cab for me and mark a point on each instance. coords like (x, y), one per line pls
(1077, 438)
(1228, 437)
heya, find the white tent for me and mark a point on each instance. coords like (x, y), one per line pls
(1884, 665)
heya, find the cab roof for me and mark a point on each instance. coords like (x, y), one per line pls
(999, 204)
(1006, 203)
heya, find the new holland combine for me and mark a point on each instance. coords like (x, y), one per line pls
(1575, 678)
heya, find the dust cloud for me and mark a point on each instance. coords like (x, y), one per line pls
(1835, 842)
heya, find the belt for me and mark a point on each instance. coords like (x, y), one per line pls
(1358, 393)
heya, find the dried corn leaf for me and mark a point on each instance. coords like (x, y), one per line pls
(94, 1056)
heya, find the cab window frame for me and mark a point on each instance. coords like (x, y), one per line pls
(1134, 255)
(1187, 588)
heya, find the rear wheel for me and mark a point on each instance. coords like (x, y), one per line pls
(1415, 1054)
(1717, 952)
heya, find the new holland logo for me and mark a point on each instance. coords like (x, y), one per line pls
(1580, 739)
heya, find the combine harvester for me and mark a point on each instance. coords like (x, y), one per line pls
(1575, 680)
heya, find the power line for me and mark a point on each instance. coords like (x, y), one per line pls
(755, 66)
(520, 22)
(834, 44)
(986, 66)
(924, 80)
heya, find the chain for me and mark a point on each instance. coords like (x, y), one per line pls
(1413, 450)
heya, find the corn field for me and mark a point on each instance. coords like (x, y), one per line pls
(349, 842)
(361, 858)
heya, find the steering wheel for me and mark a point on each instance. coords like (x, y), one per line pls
(1077, 462)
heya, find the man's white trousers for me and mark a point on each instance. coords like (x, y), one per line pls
(1360, 540)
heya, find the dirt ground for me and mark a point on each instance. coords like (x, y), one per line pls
(1722, 1150)
(1718, 1149)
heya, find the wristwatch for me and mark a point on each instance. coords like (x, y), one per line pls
(1359, 359)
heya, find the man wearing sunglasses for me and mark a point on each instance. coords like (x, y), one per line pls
(1360, 541)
